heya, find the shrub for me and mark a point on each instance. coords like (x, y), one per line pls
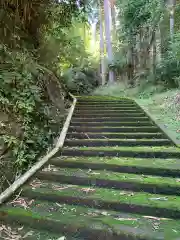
(80, 81)
(168, 70)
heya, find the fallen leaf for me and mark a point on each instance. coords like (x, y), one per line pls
(105, 213)
(159, 198)
(156, 218)
(22, 203)
(87, 190)
(30, 233)
(126, 219)
(94, 173)
(58, 188)
(62, 238)
(129, 194)
(21, 228)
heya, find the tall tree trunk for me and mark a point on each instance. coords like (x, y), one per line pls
(130, 70)
(113, 17)
(108, 37)
(164, 30)
(171, 23)
(154, 54)
(103, 70)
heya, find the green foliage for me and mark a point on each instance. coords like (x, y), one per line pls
(136, 14)
(38, 37)
(21, 96)
(80, 81)
(119, 63)
(168, 70)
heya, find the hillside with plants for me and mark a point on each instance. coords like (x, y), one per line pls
(43, 55)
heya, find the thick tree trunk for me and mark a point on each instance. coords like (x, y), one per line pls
(103, 70)
(108, 37)
(113, 17)
(154, 53)
(130, 67)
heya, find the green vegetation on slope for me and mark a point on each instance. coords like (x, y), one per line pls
(43, 55)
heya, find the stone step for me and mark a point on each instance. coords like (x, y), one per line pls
(151, 129)
(89, 223)
(109, 179)
(123, 142)
(113, 135)
(110, 119)
(135, 152)
(110, 111)
(139, 166)
(106, 114)
(110, 124)
(104, 107)
(105, 198)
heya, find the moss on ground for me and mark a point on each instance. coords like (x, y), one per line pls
(109, 195)
(103, 98)
(129, 127)
(117, 140)
(154, 134)
(98, 219)
(139, 162)
(132, 149)
(115, 176)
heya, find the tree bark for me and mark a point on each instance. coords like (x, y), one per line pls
(103, 70)
(108, 38)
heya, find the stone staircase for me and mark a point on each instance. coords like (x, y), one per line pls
(118, 177)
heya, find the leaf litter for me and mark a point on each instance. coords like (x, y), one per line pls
(22, 202)
(7, 233)
(50, 168)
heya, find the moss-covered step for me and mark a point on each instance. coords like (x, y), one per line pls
(140, 166)
(110, 119)
(108, 199)
(110, 111)
(111, 124)
(134, 152)
(116, 142)
(109, 179)
(151, 129)
(107, 114)
(103, 101)
(89, 223)
(108, 105)
(106, 135)
(97, 97)
(104, 107)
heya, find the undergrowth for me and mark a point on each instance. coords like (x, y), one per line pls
(22, 98)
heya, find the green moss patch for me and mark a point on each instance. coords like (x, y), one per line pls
(103, 98)
(123, 134)
(76, 218)
(141, 162)
(118, 140)
(139, 149)
(115, 176)
(107, 195)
